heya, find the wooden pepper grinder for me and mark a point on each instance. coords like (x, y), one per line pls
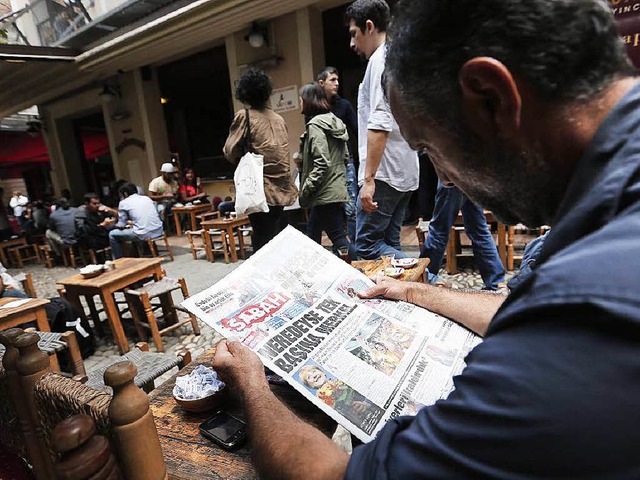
(83, 454)
(133, 430)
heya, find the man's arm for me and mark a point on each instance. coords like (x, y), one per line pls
(474, 310)
(156, 197)
(376, 143)
(283, 445)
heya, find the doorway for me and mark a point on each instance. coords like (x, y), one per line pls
(198, 110)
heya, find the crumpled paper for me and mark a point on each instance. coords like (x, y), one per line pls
(200, 383)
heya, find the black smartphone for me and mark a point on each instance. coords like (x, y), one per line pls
(224, 429)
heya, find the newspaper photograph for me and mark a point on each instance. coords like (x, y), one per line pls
(363, 362)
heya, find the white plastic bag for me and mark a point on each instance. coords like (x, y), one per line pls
(249, 183)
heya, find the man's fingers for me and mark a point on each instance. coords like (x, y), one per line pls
(235, 347)
(372, 292)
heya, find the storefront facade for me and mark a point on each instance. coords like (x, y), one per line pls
(127, 64)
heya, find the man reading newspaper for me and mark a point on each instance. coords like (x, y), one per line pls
(532, 109)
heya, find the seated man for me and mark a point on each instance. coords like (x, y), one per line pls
(62, 227)
(92, 228)
(164, 190)
(9, 286)
(225, 208)
(138, 219)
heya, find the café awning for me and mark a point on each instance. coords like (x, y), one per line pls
(30, 75)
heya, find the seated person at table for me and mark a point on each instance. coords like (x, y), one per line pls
(190, 188)
(552, 390)
(225, 208)
(62, 227)
(9, 286)
(164, 190)
(138, 219)
(92, 229)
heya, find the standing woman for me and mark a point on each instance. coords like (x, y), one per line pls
(269, 138)
(324, 165)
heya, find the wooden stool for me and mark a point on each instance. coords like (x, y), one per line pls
(161, 288)
(45, 251)
(216, 241)
(69, 255)
(195, 248)
(153, 246)
(104, 252)
(242, 246)
(24, 253)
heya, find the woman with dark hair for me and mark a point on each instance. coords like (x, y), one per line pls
(268, 137)
(190, 189)
(323, 185)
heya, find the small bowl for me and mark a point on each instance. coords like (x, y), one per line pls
(405, 262)
(205, 404)
(393, 272)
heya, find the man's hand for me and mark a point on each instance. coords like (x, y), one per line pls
(107, 222)
(238, 366)
(366, 196)
(387, 288)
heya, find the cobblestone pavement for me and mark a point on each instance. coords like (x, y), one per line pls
(199, 275)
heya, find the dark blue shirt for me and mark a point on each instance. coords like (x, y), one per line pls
(554, 390)
(342, 109)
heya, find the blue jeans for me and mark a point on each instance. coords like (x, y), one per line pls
(13, 293)
(350, 207)
(329, 218)
(378, 233)
(449, 201)
(116, 237)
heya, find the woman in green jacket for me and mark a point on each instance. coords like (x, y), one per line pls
(323, 185)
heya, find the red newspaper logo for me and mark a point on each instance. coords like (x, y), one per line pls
(256, 313)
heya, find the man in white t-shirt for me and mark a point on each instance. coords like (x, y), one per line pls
(164, 189)
(388, 166)
(18, 203)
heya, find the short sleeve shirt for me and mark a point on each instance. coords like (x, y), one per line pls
(158, 185)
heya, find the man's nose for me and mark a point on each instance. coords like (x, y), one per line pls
(352, 44)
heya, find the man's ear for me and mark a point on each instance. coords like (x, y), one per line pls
(491, 100)
(369, 27)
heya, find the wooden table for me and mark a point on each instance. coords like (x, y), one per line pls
(228, 225)
(13, 242)
(371, 268)
(127, 271)
(190, 456)
(192, 212)
(32, 310)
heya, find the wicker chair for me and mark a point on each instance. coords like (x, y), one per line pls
(43, 399)
(53, 343)
(149, 365)
(140, 299)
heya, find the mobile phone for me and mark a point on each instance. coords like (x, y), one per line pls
(224, 429)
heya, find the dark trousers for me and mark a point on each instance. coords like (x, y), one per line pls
(266, 226)
(329, 218)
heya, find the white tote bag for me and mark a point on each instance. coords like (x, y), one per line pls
(249, 180)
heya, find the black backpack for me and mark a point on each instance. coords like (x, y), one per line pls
(63, 317)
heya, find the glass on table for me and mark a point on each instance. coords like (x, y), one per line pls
(343, 252)
(387, 260)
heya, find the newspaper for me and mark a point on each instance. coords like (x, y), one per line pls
(363, 362)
